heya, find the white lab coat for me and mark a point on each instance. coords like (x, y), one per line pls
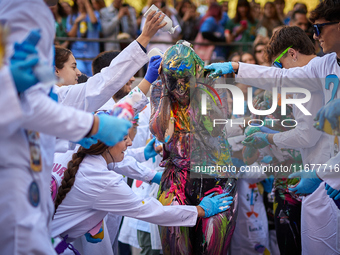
(317, 205)
(9, 100)
(128, 233)
(99, 89)
(26, 228)
(97, 191)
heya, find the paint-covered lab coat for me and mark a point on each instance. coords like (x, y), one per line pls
(317, 207)
(97, 191)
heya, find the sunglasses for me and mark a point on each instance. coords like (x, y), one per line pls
(277, 62)
(317, 27)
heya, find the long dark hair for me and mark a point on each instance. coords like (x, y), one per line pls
(72, 169)
(266, 21)
(238, 17)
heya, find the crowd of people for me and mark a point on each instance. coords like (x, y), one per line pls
(119, 22)
(92, 165)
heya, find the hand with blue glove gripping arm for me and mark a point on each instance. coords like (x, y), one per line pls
(215, 204)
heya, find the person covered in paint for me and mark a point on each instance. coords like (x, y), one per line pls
(191, 140)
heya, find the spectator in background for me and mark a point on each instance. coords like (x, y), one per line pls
(297, 6)
(98, 5)
(67, 6)
(280, 6)
(84, 23)
(60, 17)
(212, 29)
(161, 35)
(255, 9)
(189, 20)
(242, 28)
(259, 50)
(204, 6)
(118, 22)
(300, 6)
(248, 58)
(269, 21)
(299, 19)
(225, 9)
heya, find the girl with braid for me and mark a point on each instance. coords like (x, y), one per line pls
(89, 190)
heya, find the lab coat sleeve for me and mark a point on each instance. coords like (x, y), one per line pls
(131, 168)
(330, 172)
(51, 118)
(98, 89)
(264, 77)
(117, 197)
(12, 112)
(302, 136)
(137, 154)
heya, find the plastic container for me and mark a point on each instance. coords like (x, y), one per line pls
(155, 52)
(168, 27)
(124, 109)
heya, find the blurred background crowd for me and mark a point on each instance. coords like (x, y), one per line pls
(236, 30)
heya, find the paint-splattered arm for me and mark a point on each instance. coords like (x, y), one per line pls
(160, 111)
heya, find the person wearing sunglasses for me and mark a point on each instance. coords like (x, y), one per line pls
(312, 77)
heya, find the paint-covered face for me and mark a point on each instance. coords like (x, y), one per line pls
(180, 69)
(179, 85)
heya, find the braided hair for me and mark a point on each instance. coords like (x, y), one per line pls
(72, 169)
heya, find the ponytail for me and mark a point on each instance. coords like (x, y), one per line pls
(72, 169)
(69, 176)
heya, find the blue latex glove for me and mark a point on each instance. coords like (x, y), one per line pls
(267, 159)
(90, 238)
(257, 140)
(331, 112)
(214, 205)
(111, 129)
(218, 69)
(152, 72)
(23, 52)
(149, 150)
(27, 47)
(87, 142)
(307, 185)
(22, 73)
(268, 184)
(251, 129)
(23, 60)
(157, 178)
(332, 193)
